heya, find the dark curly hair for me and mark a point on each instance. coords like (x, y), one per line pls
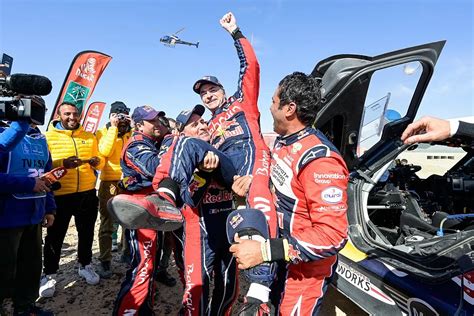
(305, 92)
(58, 110)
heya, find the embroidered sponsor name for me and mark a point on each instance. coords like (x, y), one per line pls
(222, 196)
(143, 274)
(188, 300)
(332, 195)
(326, 178)
(236, 220)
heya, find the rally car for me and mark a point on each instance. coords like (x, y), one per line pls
(411, 227)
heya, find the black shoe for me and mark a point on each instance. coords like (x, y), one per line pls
(165, 278)
(104, 271)
(255, 307)
(34, 311)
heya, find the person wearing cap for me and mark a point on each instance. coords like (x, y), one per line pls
(74, 148)
(139, 159)
(111, 138)
(235, 130)
(309, 178)
(205, 247)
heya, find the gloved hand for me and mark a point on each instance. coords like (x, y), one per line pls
(72, 162)
(94, 161)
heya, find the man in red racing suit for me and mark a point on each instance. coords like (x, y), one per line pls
(309, 178)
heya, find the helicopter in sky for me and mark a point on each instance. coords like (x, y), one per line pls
(172, 40)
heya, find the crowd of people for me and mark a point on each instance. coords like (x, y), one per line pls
(211, 191)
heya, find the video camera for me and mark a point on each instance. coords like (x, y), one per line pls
(17, 97)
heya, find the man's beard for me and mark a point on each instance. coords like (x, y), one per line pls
(123, 128)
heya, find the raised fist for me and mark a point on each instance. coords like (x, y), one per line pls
(228, 22)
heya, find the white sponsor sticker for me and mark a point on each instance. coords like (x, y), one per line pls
(332, 195)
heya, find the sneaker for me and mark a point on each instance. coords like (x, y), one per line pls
(34, 311)
(152, 212)
(47, 285)
(255, 307)
(89, 274)
(165, 278)
(104, 271)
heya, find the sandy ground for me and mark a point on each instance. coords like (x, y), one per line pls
(75, 297)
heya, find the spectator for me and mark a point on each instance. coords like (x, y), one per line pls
(26, 204)
(311, 212)
(76, 149)
(111, 138)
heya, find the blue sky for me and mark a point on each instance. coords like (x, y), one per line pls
(44, 36)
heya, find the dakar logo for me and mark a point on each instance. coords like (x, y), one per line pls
(95, 111)
(296, 147)
(87, 70)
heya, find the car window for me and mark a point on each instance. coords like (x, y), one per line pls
(435, 159)
(388, 98)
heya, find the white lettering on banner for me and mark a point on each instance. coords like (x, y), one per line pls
(332, 195)
(87, 70)
(143, 273)
(187, 291)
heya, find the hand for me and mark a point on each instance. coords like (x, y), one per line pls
(94, 161)
(72, 162)
(210, 162)
(425, 130)
(241, 185)
(247, 253)
(48, 220)
(114, 119)
(40, 186)
(228, 22)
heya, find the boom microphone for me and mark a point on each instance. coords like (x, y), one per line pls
(28, 84)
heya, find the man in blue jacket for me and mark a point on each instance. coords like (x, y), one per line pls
(26, 204)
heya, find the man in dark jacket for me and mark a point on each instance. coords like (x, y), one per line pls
(26, 204)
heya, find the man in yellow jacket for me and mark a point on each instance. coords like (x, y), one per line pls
(111, 138)
(75, 149)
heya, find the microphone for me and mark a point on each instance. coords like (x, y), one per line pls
(28, 84)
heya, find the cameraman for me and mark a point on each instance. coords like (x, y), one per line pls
(111, 138)
(26, 204)
(11, 136)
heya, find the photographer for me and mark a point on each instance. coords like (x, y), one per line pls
(111, 138)
(26, 204)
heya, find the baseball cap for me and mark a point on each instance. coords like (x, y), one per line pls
(119, 107)
(204, 80)
(183, 117)
(249, 218)
(145, 113)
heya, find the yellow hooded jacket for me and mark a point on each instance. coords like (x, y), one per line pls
(110, 147)
(66, 143)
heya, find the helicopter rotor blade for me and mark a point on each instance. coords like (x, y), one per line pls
(179, 31)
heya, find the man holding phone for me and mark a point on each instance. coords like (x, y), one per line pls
(77, 150)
